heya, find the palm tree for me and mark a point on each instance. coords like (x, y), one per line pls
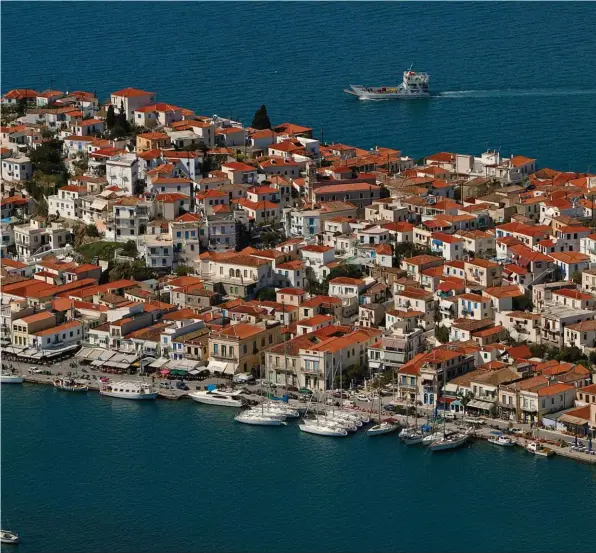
(464, 398)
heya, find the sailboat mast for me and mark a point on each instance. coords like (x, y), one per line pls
(283, 310)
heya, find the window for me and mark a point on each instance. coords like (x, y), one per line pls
(216, 348)
(224, 350)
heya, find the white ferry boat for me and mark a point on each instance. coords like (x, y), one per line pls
(127, 390)
(414, 85)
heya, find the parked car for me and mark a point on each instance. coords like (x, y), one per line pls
(390, 407)
(243, 378)
(34, 370)
(181, 386)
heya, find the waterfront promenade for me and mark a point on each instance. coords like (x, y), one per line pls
(558, 442)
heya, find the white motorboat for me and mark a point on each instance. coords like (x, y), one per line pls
(383, 428)
(451, 441)
(10, 378)
(70, 385)
(258, 419)
(314, 427)
(7, 536)
(539, 450)
(505, 441)
(127, 390)
(216, 397)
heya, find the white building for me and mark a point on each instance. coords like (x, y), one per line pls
(17, 169)
(131, 99)
(123, 171)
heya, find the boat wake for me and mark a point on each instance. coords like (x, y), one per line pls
(512, 92)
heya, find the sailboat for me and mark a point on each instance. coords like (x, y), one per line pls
(412, 435)
(448, 441)
(334, 427)
(258, 417)
(384, 427)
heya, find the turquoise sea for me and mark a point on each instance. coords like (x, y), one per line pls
(86, 473)
(516, 76)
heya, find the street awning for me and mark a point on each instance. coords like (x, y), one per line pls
(220, 367)
(482, 405)
(159, 363)
(570, 419)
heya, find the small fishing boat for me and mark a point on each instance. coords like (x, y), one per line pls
(502, 440)
(7, 536)
(539, 450)
(70, 385)
(10, 378)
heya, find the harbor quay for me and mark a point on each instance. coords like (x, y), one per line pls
(153, 251)
(483, 429)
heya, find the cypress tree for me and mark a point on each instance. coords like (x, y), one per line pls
(110, 118)
(261, 119)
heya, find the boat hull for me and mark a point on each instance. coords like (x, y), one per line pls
(501, 443)
(124, 395)
(323, 431)
(259, 421)
(8, 537)
(379, 430)
(11, 379)
(221, 402)
(363, 94)
(448, 444)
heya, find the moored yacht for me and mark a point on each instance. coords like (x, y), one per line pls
(449, 441)
(315, 427)
(213, 396)
(255, 417)
(127, 390)
(385, 427)
(411, 435)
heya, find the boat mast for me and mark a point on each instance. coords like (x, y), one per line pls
(283, 311)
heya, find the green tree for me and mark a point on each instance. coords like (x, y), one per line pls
(442, 334)
(576, 277)
(47, 157)
(110, 117)
(266, 294)
(130, 249)
(92, 231)
(21, 107)
(523, 303)
(184, 270)
(261, 119)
